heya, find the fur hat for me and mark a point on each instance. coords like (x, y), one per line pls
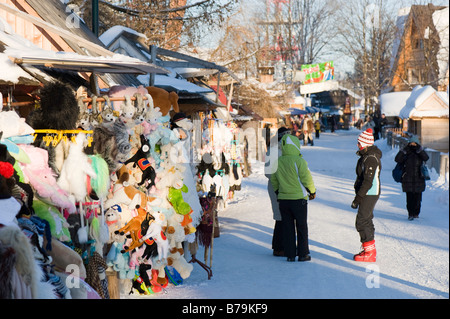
(366, 138)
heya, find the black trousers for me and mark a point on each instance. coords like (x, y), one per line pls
(294, 215)
(277, 239)
(364, 218)
(413, 203)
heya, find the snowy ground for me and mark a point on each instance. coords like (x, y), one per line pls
(413, 256)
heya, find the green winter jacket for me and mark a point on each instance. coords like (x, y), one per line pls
(292, 179)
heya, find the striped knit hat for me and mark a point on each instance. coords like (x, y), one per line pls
(366, 138)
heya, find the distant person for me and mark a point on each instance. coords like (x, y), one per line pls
(333, 123)
(369, 123)
(383, 123)
(367, 190)
(377, 128)
(412, 156)
(277, 238)
(317, 127)
(308, 129)
(293, 184)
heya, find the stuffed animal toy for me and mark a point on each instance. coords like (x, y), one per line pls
(122, 137)
(122, 91)
(159, 278)
(152, 113)
(113, 221)
(164, 100)
(107, 114)
(140, 109)
(135, 229)
(127, 114)
(178, 262)
(99, 185)
(76, 168)
(124, 193)
(151, 229)
(119, 262)
(176, 234)
(140, 159)
(86, 119)
(42, 178)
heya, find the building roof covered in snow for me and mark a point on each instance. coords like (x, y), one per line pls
(425, 102)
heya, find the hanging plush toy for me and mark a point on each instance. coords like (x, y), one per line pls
(140, 159)
(76, 168)
(164, 100)
(125, 193)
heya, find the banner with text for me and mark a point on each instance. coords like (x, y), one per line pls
(319, 72)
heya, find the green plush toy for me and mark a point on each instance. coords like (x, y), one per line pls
(175, 197)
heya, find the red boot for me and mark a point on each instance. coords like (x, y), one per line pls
(368, 254)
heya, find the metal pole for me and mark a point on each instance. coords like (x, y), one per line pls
(95, 23)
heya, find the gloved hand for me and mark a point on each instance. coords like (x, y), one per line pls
(356, 202)
(312, 196)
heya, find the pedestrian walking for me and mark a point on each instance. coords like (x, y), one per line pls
(412, 156)
(367, 190)
(317, 126)
(294, 186)
(308, 129)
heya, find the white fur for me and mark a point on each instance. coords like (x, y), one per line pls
(75, 170)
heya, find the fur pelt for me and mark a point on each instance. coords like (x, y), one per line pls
(59, 108)
(25, 264)
(105, 145)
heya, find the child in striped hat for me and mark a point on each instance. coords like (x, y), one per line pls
(365, 139)
(367, 192)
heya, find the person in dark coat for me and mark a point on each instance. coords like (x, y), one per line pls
(412, 156)
(367, 189)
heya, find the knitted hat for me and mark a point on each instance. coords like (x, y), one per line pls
(366, 138)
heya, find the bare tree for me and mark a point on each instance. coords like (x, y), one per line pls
(166, 23)
(366, 30)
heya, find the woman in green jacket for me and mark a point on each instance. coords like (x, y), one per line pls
(293, 185)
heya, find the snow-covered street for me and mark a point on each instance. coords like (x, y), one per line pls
(413, 256)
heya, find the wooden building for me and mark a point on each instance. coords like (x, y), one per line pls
(420, 52)
(426, 115)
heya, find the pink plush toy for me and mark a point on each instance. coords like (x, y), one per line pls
(42, 178)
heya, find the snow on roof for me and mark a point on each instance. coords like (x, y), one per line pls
(441, 22)
(392, 103)
(415, 107)
(109, 35)
(10, 71)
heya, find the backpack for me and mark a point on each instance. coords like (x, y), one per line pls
(397, 172)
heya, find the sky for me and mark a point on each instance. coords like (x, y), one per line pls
(342, 63)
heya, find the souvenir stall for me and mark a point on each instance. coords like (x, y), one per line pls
(107, 194)
(218, 152)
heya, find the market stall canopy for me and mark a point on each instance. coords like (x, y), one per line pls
(295, 111)
(80, 63)
(425, 102)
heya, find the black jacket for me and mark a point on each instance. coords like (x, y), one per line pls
(412, 157)
(368, 171)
